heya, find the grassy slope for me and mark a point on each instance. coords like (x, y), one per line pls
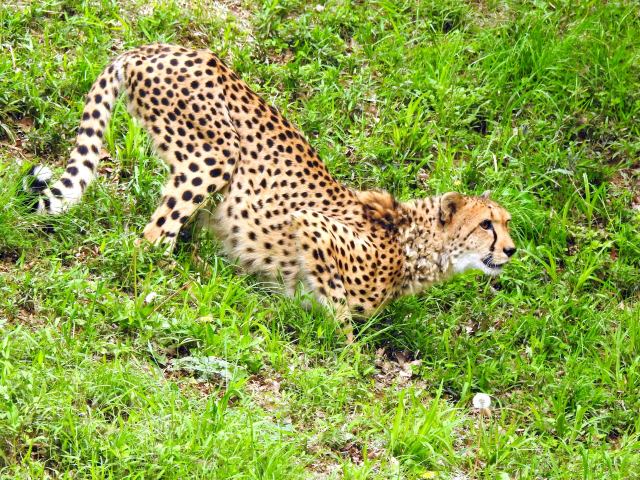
(539, 103)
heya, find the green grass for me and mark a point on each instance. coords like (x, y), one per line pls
(538, 102)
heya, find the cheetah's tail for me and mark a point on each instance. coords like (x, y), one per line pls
(84, 157)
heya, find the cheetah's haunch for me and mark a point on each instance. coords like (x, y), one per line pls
(282, 214)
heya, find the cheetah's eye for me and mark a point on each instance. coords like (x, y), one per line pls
(486, 224)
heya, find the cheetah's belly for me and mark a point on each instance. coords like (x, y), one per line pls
(254, 219)
(256, 232)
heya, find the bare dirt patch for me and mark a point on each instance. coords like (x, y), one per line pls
(395, 368)
(628, 179)
(265, 391)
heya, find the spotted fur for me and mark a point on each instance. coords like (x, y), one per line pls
(282, 214)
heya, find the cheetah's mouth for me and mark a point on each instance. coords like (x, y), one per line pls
(488, 261)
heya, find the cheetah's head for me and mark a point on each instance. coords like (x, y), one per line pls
(477, 232)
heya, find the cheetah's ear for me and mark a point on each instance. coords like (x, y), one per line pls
(450, 203)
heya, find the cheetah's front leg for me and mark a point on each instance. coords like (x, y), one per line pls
(316, 247)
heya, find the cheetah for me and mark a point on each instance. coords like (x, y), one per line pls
(282, 214)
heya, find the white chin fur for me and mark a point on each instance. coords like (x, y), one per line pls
(470, 261)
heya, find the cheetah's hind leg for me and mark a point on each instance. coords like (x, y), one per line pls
(189, 186)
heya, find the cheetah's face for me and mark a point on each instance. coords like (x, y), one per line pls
(478, 231)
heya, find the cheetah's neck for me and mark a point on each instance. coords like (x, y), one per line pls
(422, 239)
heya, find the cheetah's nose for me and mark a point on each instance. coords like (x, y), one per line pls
(509, 251)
